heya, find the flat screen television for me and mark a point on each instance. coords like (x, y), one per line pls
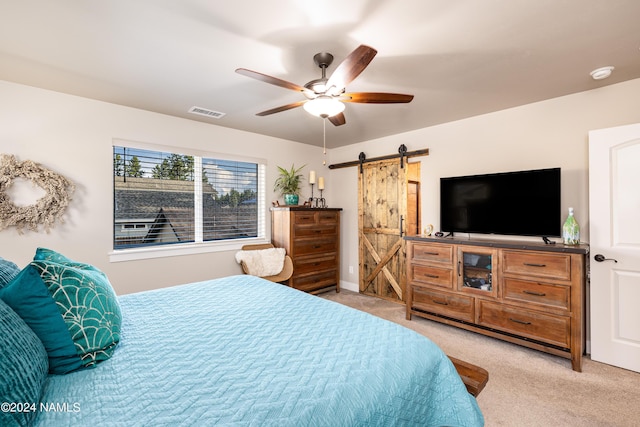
(523, 203)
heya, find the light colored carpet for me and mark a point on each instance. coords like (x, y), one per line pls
(526, 387)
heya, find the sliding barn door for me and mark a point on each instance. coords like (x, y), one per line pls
(382, 211)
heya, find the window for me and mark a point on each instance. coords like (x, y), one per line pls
(163, 198)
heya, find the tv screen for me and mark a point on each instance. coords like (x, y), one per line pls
(524, 203)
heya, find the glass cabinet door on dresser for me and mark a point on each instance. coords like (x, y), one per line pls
(476, 268)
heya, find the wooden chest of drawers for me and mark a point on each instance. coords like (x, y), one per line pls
(311, 237)
(529, 294)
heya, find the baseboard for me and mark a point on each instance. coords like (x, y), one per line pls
(349, 286)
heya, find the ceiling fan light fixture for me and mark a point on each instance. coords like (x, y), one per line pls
(601, 73)
(319, 86)
(324, 106)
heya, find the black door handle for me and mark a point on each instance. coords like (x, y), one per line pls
(601, 258)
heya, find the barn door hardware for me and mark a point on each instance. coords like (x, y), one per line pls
(402, 154)
(402, 150)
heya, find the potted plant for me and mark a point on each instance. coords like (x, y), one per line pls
(288, 184)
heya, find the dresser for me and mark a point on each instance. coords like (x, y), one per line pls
(311, 237)
(525, 293)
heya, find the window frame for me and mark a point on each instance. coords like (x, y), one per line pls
(199, 246)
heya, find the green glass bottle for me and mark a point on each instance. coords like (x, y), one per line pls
(571, 230)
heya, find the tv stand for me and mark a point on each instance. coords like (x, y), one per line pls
(527, 293)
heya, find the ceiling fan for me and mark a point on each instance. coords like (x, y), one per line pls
(326, 96)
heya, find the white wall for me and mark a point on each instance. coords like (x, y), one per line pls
(73, 136)
(552, 133)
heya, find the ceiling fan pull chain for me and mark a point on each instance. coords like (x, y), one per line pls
(324, 141)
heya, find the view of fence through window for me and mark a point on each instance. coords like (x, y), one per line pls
(155, 197)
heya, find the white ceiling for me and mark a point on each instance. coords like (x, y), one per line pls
(460, 58)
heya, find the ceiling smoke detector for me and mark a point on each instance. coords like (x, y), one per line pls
(601, 73)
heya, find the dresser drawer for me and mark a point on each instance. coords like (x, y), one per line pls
(314, 246)
(309, 264)
(327, 217)
(531, 292)
(436, 276)
(535, 325)
(315, 230)
(443, 303)
(312, 282)
(424, 252)
(305, 217)
(557, 266)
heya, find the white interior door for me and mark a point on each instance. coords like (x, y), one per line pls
(614, 230)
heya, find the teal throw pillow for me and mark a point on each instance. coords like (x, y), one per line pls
(88, 305)
(23, 369)
(28, 296)
(72, 307)
(8, 270)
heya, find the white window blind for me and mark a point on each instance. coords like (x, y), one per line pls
(162, 198)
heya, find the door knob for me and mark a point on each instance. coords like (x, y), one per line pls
(600, 258)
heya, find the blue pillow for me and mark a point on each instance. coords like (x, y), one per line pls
(72, 308)
(28, 296)
(8, 270)
(23, 364)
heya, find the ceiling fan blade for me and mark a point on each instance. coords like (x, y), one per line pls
(273, 80)
(375, 98)
(350, 68)
(281, 108)
(338, 119)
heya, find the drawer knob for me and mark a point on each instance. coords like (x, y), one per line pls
(440, 302)
(538, 294)
(522, 322)
(432, 276)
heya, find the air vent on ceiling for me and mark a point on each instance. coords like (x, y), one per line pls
(206, 112)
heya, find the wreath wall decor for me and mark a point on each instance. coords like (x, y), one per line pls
(46, 210)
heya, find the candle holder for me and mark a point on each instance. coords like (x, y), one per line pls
(311, 198)
(316, 202)
(321, 202)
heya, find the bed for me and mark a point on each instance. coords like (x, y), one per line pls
(243, 351)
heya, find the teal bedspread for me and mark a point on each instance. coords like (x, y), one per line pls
(241, 351)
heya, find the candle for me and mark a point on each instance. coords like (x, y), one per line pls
(312, 177)
(321, 183)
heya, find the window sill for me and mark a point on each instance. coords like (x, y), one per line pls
(168, 251)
